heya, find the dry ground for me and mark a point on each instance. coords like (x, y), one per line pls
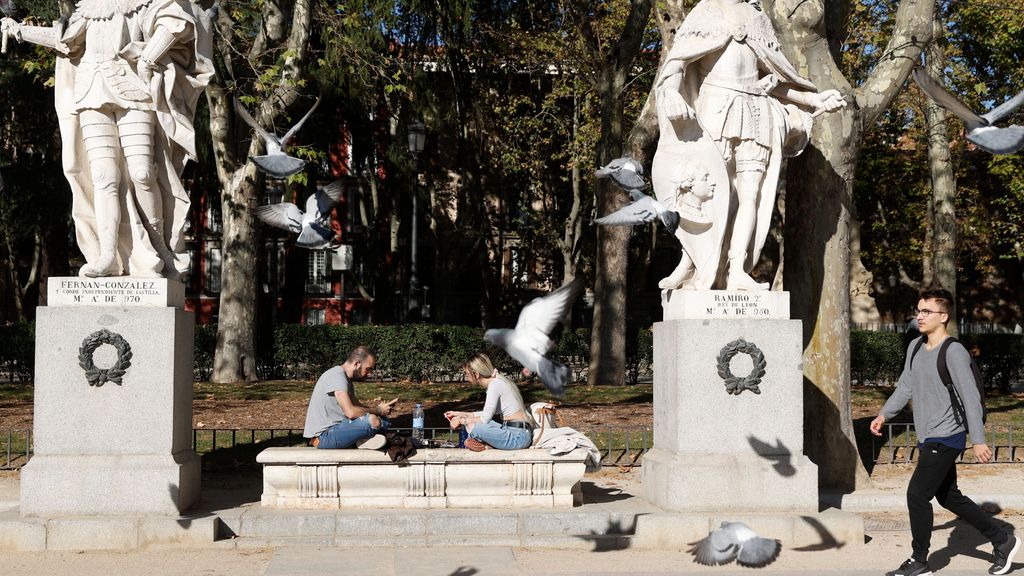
(210, 412)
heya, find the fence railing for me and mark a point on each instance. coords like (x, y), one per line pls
(898, 444)
(618, 446)
(237, 447)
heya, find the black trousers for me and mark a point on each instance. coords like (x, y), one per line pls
(935, 477)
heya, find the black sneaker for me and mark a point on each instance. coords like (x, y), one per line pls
(911, 568)
(1004, 555)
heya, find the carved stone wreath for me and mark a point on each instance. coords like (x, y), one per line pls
(99, 376)
(735, 384)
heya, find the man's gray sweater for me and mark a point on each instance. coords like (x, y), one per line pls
(934, 415)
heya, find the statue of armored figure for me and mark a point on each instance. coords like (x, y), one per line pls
(730, 107)
(128, 76)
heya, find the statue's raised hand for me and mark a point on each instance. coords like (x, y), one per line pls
(675, 106)
(827, 101)
(10, 27)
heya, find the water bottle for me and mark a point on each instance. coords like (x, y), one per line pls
(417, 422)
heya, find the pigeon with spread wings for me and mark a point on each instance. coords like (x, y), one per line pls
(627, 173)
(276, 162)
(314, 225)
(735, 541)
(980, 129)
(530, 341)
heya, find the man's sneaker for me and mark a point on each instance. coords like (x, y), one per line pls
(911, 568)
(1004, 555)
(375, 442)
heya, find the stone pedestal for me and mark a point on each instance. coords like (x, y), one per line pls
(113, 401)
(716, 450)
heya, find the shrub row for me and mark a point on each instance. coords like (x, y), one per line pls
(876, 358)
(436, 352)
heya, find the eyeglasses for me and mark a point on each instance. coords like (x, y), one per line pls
(927, 312)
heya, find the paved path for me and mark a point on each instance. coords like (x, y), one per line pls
(957, 549)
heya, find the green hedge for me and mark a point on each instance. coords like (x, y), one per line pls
(436, 352)
(17, 351)
(876, 358)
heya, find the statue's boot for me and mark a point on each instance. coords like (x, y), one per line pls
(156, 236)
(106, 264)
(737, 279)
(683, 272)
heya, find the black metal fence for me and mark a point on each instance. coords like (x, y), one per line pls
(898, 444)
(235, 448)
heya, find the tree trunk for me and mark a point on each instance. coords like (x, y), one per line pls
(819, 187)
(944, 247)
(241, 183)
(608, 337)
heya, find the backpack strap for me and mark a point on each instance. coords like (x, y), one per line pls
(917, 348)
(947, 380)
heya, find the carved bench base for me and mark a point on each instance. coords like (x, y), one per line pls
(433, 478)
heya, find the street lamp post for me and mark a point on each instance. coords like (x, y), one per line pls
(417, 141)
(892, 299)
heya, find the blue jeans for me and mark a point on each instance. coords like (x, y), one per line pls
(501, 437)
(346, 433)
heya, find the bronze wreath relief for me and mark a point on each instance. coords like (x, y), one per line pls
(98, 376)
(735, 384)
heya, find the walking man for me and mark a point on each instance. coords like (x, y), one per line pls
(944, 436)
(335, 417)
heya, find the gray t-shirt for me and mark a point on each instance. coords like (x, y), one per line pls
(933, 412)
(324, 411)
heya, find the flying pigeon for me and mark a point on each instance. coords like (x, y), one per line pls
(642, 210)
(529, 342)
(735, 541)
(276, 162)
(314, 225)
(980, 129)
(628, 174)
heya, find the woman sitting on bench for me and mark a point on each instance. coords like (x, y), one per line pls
(516, 431)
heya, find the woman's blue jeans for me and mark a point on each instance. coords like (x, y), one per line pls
(346, 433)
(502, 437)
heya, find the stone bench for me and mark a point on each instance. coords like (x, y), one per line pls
(307, 478)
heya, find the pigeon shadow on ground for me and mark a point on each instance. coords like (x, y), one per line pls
(779, 455)
(615, 537)
(464, 571)
(828, 541)
(965, 540)
(594, 494)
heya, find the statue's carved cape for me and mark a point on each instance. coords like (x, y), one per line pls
(705, 31)
(172, 94)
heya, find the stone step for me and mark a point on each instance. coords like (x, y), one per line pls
(426, 526)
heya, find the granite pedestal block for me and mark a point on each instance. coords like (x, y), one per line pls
(432, 478)
(716, 450)
(112, 446)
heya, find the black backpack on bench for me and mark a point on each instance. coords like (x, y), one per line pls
(954, 398)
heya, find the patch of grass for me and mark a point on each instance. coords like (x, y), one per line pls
(16, 391)
(428, 392)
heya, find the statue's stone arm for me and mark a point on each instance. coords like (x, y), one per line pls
(47, 36)
(156, 47)
(818, 102)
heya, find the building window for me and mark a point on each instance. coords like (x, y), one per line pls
(213, 263)
(517, 267)
(275, 263)
(318, 276)
(213, 215)
(272, 195)
(315, 316)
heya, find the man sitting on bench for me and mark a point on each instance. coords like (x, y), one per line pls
(335, 417)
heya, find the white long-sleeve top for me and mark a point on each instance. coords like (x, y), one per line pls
(502, 396)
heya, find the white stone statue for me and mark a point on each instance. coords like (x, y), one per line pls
(730, 107)
(128, 76)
